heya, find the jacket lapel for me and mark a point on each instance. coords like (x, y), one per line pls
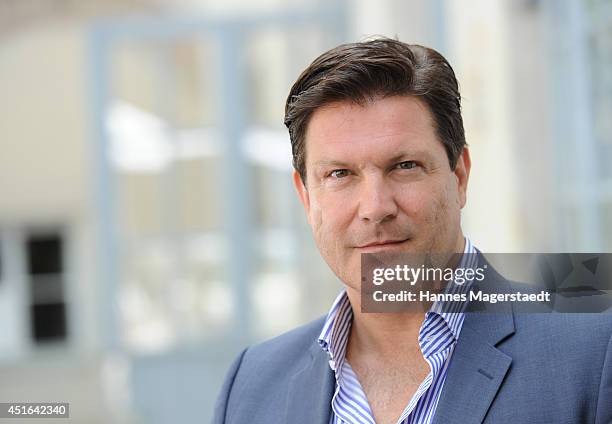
(310, 391)
(474, 376)
(477, 368)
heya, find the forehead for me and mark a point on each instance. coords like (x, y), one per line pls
(379, 127)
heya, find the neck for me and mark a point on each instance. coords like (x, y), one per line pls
(382, 334)
(385, 334)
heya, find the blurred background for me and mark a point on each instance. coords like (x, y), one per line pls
(148, 225)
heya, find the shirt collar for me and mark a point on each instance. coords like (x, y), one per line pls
(334, 335)
(454, 316)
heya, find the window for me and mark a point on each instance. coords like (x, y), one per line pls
(45, 266)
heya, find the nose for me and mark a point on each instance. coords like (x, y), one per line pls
(376, 202)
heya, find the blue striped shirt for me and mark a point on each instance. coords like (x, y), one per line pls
(438, 336)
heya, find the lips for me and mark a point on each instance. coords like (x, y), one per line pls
(382, 245)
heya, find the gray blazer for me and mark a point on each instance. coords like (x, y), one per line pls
(506, 368)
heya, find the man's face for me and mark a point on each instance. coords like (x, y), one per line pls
(379, 180)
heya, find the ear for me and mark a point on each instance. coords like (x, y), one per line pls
(462, 172)
(300, 187)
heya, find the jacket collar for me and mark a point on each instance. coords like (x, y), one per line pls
(310, 390)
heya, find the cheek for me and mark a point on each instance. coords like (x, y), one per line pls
(330, 212)
(418, 202)
(428, 204)
(330, 218)
(453, 195)
(446, 210)
(320, 223)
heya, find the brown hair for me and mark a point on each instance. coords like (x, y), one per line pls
(364, 71)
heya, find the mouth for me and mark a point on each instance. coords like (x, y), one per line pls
(382, 246)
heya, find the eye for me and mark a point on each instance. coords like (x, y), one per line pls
(339, 173)
(408, 164)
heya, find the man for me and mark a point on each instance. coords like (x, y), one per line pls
(381, 165)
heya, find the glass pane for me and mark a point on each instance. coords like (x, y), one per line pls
(167, 157)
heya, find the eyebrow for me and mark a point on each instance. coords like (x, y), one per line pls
(324, 163)
(408, 154)
(330, 163)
